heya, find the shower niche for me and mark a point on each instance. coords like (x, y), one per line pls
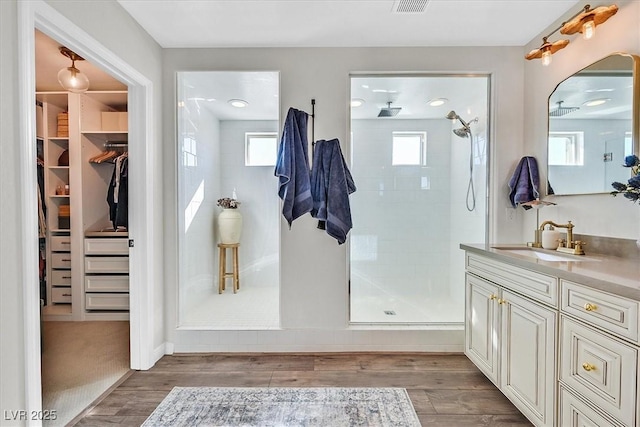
(419, 158)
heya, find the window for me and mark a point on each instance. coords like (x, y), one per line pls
(566, 148)
(409, 148)
(189, 154)
(261, 148)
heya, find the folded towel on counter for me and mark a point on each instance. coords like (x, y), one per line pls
(331, 184)
(292, 167)
(524, 184)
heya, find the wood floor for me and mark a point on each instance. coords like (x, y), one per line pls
(446, 389)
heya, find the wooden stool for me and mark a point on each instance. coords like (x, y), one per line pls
(223, 275)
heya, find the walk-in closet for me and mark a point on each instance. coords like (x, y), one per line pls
(82, 146)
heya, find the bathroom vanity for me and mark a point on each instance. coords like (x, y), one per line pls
(557, 334)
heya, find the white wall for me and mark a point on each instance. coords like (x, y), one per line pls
(130, 42)
(314, 300)
(600, 215)
(409, 223)
(255, 187)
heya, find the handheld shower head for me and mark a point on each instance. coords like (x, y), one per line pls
(462, 132)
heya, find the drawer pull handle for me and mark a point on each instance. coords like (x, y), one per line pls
(66, 260)
(66, 277)
(66, 295)
(590, 307)
(65, 243)
(588, 367)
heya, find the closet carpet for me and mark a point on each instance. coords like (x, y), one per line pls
(80, 361)
(446, 390)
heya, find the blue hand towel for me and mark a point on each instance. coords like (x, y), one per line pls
(524, 184)
(331, 184)
(292, 167)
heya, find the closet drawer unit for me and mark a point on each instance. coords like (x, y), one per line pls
(61, 243)
(615, 314)
(106, 246)
(576, 413)
(61, 260)
(535, 285)
(106, 283)
(600, 368)
(106, 264)
(106, 301)
(61, 277)
(61, 295)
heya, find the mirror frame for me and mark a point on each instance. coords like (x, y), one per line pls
(635, 111)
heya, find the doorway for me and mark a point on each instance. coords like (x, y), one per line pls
(37, 15)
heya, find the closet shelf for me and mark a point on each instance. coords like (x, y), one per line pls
(58, 167)
(60, 196)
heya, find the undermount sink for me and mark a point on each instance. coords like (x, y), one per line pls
(544, 255)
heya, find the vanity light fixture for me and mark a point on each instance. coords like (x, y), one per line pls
(584, 22)
(238, 103)
(436, 102)
(71, 78)
(547, 49)
(587, 20)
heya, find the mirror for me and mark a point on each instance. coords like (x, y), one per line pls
(593, 125)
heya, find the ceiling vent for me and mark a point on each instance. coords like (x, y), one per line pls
(560, 111)
(410, 6)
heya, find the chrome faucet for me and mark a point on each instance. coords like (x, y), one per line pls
(571, 247)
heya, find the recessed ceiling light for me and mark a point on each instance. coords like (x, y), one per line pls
(595, 102)
(357, 102)
(598, 90)
(238, 103)
(436, 102)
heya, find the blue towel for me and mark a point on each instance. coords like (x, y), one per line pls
(524, 184)
(331, 184)
(292, 167)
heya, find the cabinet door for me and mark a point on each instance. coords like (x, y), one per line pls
(481, 326)
(528, 352)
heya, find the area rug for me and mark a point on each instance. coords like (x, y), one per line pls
(335, 407)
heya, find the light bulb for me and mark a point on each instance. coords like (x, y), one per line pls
(73, 80)
(546, 58)
(588, 29)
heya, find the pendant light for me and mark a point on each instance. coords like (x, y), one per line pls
(71, 78)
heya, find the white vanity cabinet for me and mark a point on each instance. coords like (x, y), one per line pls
(511, 336)
(560, 340)
(599, 354)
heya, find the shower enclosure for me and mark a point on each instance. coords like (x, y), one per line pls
(422, 178)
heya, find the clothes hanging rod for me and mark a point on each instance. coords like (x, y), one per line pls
(108, 145)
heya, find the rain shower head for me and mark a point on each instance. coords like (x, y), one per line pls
(452, 115)
(462, 132)
(388, 111)
(560, 111)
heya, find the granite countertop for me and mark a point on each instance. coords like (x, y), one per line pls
(620, 276)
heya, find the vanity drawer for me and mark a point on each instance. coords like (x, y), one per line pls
(106, 301)
(106, 264)
(106, 283)
(106, 246)
(61, 260)
(576, 413)
(535, 285)
(613, 313)
(61, 295)
(61, 244)
(600, 368)
(61, 277)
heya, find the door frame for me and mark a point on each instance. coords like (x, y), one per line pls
(36, 14)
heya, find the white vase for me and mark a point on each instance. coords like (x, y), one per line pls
(229, 226)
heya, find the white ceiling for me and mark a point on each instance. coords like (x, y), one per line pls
(333, 23)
